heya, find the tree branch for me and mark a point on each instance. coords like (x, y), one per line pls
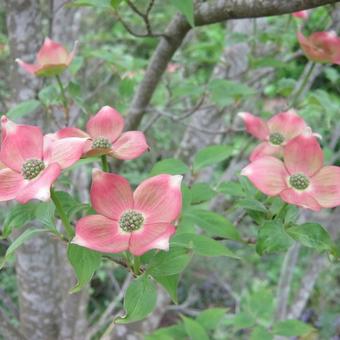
(205, 13)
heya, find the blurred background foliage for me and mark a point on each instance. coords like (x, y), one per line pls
(110, 64)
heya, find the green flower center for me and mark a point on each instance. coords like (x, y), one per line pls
(101, 143)
(32, 168)
(276, 138)
(131, 221)
(299, 181)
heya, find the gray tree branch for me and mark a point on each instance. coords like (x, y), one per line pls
(205, 13)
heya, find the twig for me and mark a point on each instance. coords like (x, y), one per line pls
(286, 276)
(105, 318)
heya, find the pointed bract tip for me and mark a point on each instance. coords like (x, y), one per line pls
(307, 132)
(317, 135)
(96, 172)
(246, 171)
(243, 115)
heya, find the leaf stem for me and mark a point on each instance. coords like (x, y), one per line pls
(298, 93)
(67, 225)
(136, 264)
(64, 100)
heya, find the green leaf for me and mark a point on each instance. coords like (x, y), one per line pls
(292, 328)
(186, 7)
(272, 238)
(194, 329)
(214, 224)
(23, 109)
(260, 333)
(210, 318)
(170, 284)
(26, 235)
(231, 188)
(84, 262)
(171, 166)
(260, 305)
(21, 214)
(116, 3)
(140, 300)
(243, 320)
(91, 3)
(169, 263)
(70, 205)
(211, 155)
(203, 245)
(174, 332)
(250, 204)
(201, 192)
(225, 92)
(311, 235)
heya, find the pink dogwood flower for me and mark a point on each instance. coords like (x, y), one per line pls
(275, 133)
(321, 47)
(301, 15)
(136, 221)
(104, 131)
(301, 179)
(29, 166)
(52, 59)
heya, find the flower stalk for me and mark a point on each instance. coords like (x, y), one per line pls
(67, 225)
(64, 100)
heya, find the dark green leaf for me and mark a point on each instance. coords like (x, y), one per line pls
(311, 235)
(272, 238)
(211, 155)
(201, 192)
(170, 284)
(84, 262)
(169, 263)
(170, 166)
(202, 245)
(250, 204)
(140, 300)
(214, 224)
(231, 188)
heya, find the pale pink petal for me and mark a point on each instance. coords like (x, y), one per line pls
(303, 154)
(129, 145)
(255, 125)
(289, 124)
(268, 174)
(10, 183)
(73, 53)
(159, 198)
(21, 142)
(71, 132)
(52, 53)
(111, 194)
(39, 187)
(266, 149)
(107, 123)
(301, 15)
(99, 233)
(151, 236)
(326, 186)
(65, 152)
(30, 68)
(302, 199)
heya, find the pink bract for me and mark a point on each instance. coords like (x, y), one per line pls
(106, 136)
(52, 59)
(29, 166)
(135, 221)
(301, 15)
(301, 179)
(275, 133)
(321, 47)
